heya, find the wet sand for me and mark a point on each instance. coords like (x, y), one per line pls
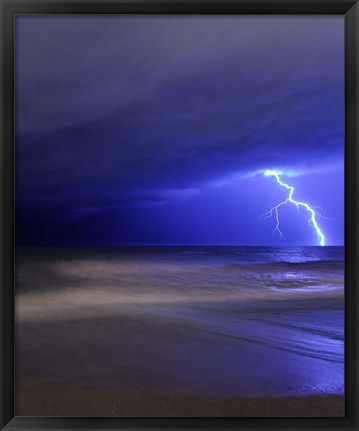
(64, 399)
(106, 337)
(138, 366)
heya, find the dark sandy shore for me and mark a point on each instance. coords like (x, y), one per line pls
(132, 384)
(62, 400)
(150, 336)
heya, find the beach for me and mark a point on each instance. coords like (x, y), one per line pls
(180, 331)
(70, 401)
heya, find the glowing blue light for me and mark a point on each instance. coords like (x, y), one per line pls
(270, 173)
(312, 219)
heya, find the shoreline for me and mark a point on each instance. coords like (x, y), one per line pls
(180, 336)
(61, 400)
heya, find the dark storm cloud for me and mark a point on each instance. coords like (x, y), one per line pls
(119, 111)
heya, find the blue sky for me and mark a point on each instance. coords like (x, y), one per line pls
(156, 130)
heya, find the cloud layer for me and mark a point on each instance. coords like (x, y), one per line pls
(118, 111)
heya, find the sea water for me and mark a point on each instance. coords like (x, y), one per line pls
(256, 321)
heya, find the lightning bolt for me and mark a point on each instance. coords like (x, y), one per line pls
(275, 210)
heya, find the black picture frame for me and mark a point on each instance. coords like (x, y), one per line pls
(8, 10)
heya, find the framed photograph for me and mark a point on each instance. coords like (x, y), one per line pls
(179, 236)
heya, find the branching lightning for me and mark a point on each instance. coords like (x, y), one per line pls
(275, 210)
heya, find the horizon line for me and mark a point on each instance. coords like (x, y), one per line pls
(175, 245)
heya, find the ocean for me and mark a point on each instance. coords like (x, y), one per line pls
(246, 321)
